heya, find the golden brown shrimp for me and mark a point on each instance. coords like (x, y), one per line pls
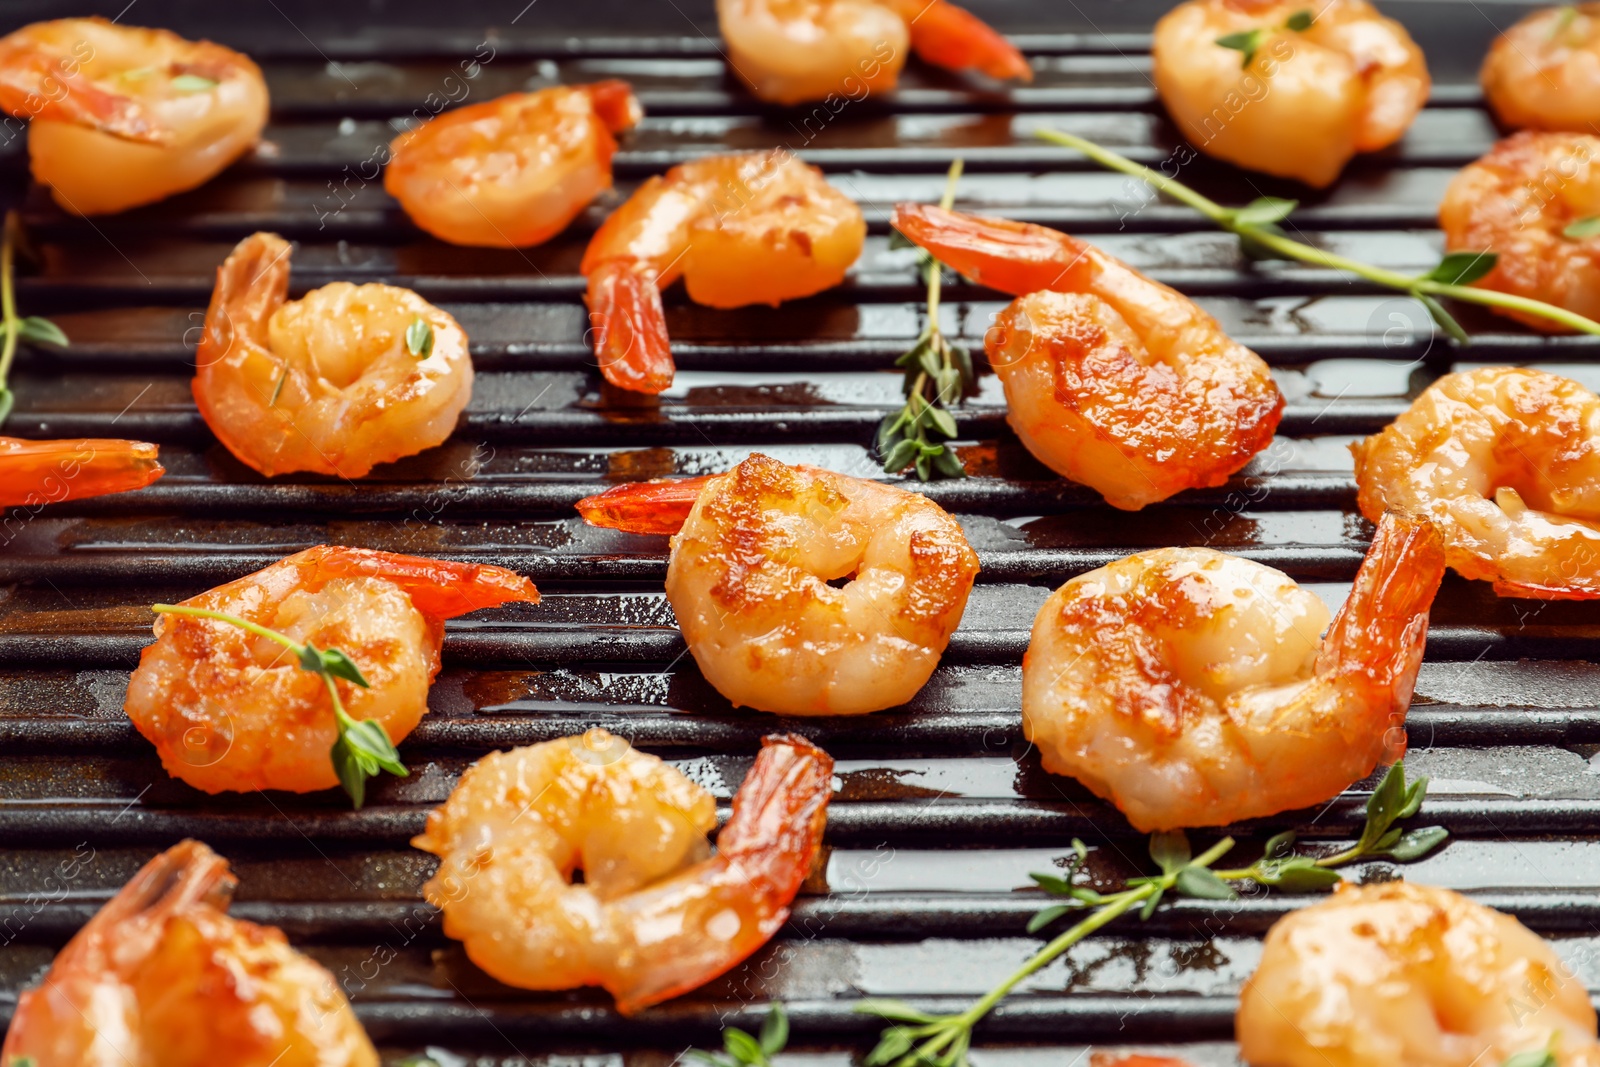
(125, 116)
(759, 228)
(1111, 379)
(654, 916)
(1188, 687)
(1506, 463)
(789, 51)
(1517, 202)
(231, 711)
(1544, 72)
(33, 473)
(749, 583)
(1319, 82)
(162, 976)
(337, 382)
(513, 171)
(1390, 972)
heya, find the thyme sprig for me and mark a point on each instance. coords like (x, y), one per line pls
(1249, 42)
(363, 748)
(1256, 225)
(742, 1049)
(33, 329)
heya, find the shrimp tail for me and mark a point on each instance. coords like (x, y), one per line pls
(1534, 591)
(34, 472)
(438, 588)
(954, 38)
(35, 84)
(615, 104)
(1013, 257)
(660, 506)
(252, 283)
(630, 327)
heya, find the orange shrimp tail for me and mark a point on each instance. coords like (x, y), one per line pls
(615, 104)
(660, 506)
(629, 327)
(48, 472)
(954, 38)
(439, 588)
(35, 84)
(1013, 257)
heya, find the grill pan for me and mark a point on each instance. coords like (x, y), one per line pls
(942, 809)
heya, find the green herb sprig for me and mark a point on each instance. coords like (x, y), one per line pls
(13, 329)
(742, 1049)
(1249, 42)
(1539, 1057)
(363, 748)
(1256, 225)
(419, 337)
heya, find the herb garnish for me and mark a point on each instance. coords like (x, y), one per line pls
(744, 1050)
(419, 337)
(1582, 229)
(32, 329)
(1249, 42)
(193, 83)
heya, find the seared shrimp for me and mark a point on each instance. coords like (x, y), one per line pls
(513, 171)
(654, 916)
(760, 228)
(788, 51)
(1544, 72)
(162, 976)
(1506, 463)
(1518, 201)
(1391, 972)
(345, 378)
(125, 116)
(1111, 379)
(1188, 687)
(749, 583)
(47, 472)
(228, 710)
(1320, 81)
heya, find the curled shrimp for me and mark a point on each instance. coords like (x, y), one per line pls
(654, 916)
(163, 975)
(33, 473)
(513, 171)
(789, 51)
(1392, 972)
(1544, 72)
(1308, 95)
(124, 116)
(337, 382)
(749, 581)
(759, 228)
(231, 711)
(1505, 462)
(1188, 687)
(1517, 202)
(1111, 379)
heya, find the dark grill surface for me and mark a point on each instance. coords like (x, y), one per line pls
(942, 810)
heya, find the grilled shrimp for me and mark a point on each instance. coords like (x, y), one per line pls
(789, 51)
(1517, 201)
(759, 228)
(1544, 72)
(33, 473)
(345, 378)
(654, 916)
(1111, 379)
(124, 116)
(162, 976)
(1305, 100)
(1506, 464)
(231, 711)
(749, 583)
(513, 171)
(1391, 972)
(1188, 687)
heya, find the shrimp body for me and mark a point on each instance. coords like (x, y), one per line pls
(654, 916)
(123, 116)
(1544, 72)
(1392, 972)
(1111, 379)
(47, 472)
(1516, 202)
(759, 228)
(513, 171)
(789, 51)
(1307, 101)
(162, 976)
(231, 711)
(1188, 687)
(328, 383)
(1506, 464)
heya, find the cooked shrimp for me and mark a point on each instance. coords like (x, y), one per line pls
(789, 51)
(1517, 201)
(1111, 379)
(1188, 687)
(1506, 463)
(162, 976)
(345, 378)
(513, 171)
(1391, 972)
(749, 581)
(33, 473)
(1544, 72)
(124, 116)
(654, 916)
(1305, 100)
(759, 228)
(228, 710)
